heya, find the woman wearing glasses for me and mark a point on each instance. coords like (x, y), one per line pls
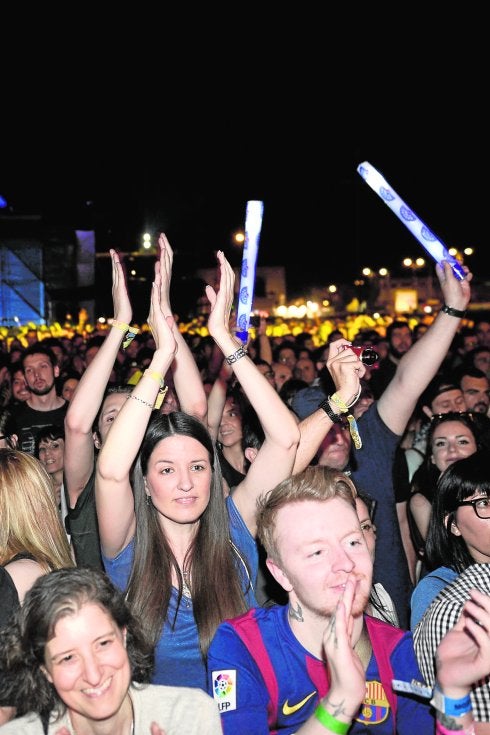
(452, 436)
(459, 528)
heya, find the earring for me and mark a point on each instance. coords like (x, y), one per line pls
(148, 501)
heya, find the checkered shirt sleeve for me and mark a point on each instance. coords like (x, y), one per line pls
(440, 617)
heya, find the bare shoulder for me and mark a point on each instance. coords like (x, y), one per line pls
(24, 573)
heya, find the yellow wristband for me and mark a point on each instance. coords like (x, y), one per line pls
(162, 391)
(354, 431)
(130, 332)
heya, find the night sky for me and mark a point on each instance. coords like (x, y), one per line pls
(128, 155)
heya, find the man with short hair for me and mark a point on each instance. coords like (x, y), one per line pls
(268, 668)
(475, 387)
(44, 407)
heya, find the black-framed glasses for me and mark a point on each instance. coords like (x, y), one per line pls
(481, 506)
(451, 416)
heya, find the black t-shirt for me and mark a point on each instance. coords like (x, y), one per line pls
(27, 422)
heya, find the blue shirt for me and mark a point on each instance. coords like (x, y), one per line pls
(427, 589)
(297, 680)
(178, 660)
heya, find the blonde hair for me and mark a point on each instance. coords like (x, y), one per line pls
(29, 518)
(314, 483)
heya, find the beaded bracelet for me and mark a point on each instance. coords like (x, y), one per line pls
(140, 400)
(241, 352)
(331, 722)
(129, 332)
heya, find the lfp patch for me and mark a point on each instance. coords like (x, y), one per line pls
(224, 689)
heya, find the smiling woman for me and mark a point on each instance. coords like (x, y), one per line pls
(76, 659)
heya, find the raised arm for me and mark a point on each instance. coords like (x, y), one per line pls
(186, 377)
(422, 361)
(86, 401)
(217, 399)
(346, 370)
(113, 494)
(274, 461)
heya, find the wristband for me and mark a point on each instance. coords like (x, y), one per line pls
(448, 706)
(336, 418)
(162, 392)
(453, 312)
(330, 722)
(441, 730)
(129, 332)
(354, 431)
(241, 352)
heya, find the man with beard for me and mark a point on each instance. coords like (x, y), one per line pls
(44, 407)
(269, 668)
(400, 339)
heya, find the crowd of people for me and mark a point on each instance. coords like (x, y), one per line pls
(198, 535)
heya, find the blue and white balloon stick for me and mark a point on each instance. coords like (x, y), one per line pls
(419, 229)
(253, 226)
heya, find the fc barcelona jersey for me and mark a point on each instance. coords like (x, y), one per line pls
(265, 682)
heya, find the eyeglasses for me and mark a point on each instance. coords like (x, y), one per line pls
(451, 416)
(481, 506)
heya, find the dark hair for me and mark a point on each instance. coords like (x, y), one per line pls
(38, 348)
(397, 324)
(211, 558)
(7, 425)
(53, 432)
(114, 388)
(22, 643)
(458, 482)
(465, 370)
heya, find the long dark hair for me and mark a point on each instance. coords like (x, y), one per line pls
(22, 643)
(459, 481)
(425, 478)
(211, 559)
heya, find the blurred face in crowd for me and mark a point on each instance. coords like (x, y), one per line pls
(483, 333)
(40, 374)
(20, 389)
(230, 428)
(69, 388)
(476, 392)
(110, 408)
(482, 361)
(449, 400)
(400, 341)
(282, 373)
(335, 448)
(305, 370)
(451, 440)
(267, 371)
(367, 526)
(287, 356)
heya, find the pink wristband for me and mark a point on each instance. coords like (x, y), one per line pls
(441, 730)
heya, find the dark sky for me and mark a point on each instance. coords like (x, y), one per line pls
(321, 220)
(118, 150)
